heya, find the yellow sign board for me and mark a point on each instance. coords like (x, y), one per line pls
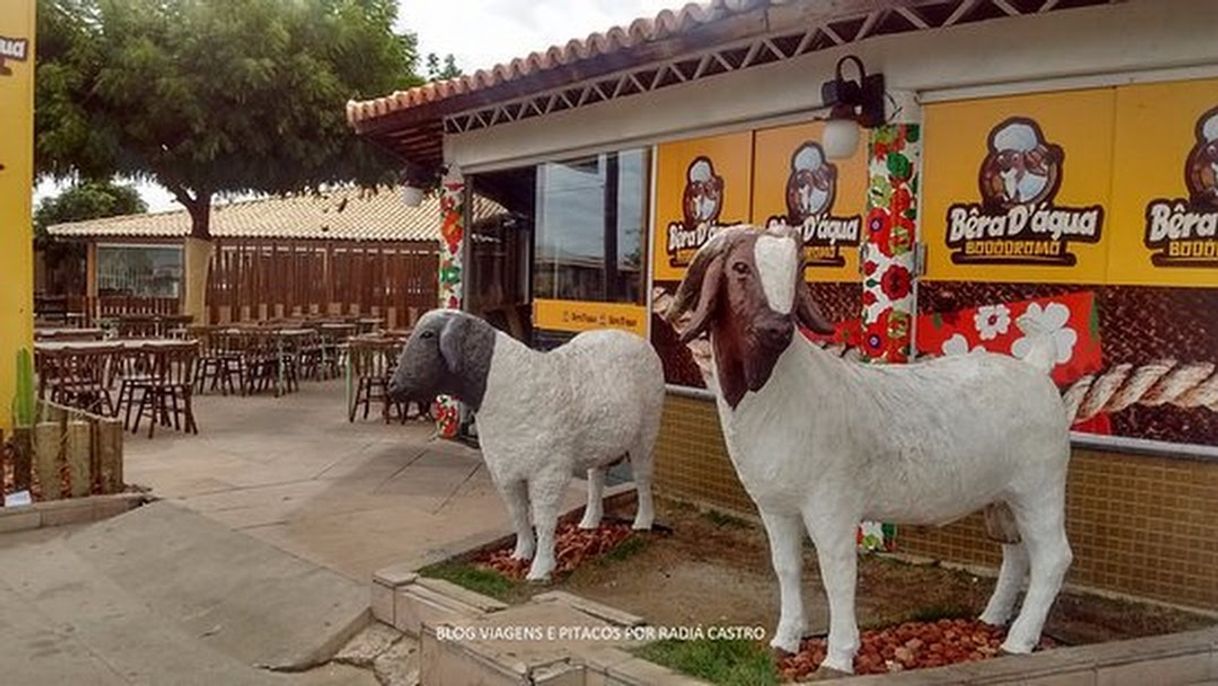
(701, 184)
(1018, 188)
(796, 184)
(578, 315)
(1164, 220)
(16, 181)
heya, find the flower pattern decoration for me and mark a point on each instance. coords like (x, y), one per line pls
(992, 321)
(1051, 319)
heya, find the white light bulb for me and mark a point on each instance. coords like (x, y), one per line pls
(841, 139)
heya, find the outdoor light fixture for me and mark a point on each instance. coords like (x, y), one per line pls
(852, 104)
(415, 182)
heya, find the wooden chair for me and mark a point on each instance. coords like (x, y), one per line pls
(79, 378)
(370, 361)
(168, 394)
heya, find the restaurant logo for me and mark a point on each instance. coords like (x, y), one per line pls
(16, 49)
(1185, 232)
(701, 204)
(811, 190)
(1018, 220)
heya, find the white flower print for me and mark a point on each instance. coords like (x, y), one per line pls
(992, 321)
(958, 345)
(1049, 321)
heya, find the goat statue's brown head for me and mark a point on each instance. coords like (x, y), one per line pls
(746, 287)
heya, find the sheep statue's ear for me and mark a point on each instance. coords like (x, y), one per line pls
(451, 338)
(700, 287)
(806, 310)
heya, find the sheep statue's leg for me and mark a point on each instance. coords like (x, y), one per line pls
(835, 540)
(786, 534)
(596, 492)
(641, 463)
(1041, 519)
(545, 494)
(1010, 580)
(516, 495)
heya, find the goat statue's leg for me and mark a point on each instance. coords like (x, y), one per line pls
(1010, 581)
(786, 534)
(642, 461)
(545, 494)
(596, 493)
(835, 537)
(1041, 519)
(516, 495)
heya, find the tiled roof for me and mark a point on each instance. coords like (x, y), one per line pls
(617, 39)
(342, 215)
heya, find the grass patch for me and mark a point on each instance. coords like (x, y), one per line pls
(726, 663)
(628, 548)
(724, 520)
(479, 579)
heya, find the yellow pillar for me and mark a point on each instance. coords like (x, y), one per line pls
(16, 189)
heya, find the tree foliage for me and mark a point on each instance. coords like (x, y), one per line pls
(438, 72)
(210, 97)
(88, 200)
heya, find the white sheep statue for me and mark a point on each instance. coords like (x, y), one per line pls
(821, 443)
(543, 415)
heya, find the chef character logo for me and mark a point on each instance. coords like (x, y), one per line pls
(811, 190)
(812, 184)
(1184, 232)
(700, 206)
(1018, 220)
(703, 193)
(1021, 167)
(1201, 170)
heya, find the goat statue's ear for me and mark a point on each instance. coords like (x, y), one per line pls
(451, 338)
(708, 298)
(806, 310)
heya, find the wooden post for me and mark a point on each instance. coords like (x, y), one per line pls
(109, 451)
(77, 442)
(47, 444)
(23, 443)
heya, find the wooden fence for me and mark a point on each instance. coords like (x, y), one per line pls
(68, 454)
(253, 280)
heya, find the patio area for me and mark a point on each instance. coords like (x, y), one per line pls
(352, 497)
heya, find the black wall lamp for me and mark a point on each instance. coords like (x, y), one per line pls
(852, 104)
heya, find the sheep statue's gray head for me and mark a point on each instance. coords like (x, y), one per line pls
(746, 287)
(449, 353)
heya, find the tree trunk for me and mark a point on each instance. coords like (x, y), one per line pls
(197, 254)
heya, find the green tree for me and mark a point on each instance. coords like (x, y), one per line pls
(211, 97)
(87, 200)
(436, 72)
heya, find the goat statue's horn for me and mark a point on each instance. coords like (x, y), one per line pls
(690, 289)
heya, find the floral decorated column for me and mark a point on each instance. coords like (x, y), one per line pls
(889, 264)
(889, 253)
(452, 231)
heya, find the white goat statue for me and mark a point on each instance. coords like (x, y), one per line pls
(543, 415)
(821, 443)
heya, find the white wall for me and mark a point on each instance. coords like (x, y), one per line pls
(1072, 46)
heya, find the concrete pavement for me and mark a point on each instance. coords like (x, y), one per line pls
(293, 472)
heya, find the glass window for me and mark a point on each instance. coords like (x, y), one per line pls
(145, 271)
(591, 223)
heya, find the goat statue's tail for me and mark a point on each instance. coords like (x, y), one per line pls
(1043, 351)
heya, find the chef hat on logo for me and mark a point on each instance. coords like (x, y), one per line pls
(809, 158)
(700, 171)
(1209, 129)
(1016, 136)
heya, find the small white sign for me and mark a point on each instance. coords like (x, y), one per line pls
(18, 499)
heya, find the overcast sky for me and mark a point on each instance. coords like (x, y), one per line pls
(482, 33)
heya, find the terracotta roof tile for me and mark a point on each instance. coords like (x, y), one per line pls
(341, 215)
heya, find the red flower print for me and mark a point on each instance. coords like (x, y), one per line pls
(879, 224)
(869, 298)
(875, 336)
(901, 200)
(896, 282)
(869, 267)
